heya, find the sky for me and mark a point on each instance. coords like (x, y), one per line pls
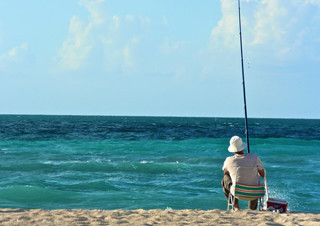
(160, 58)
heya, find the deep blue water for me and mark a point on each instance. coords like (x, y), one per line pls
(97, 162)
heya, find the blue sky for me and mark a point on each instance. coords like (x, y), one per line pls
(160, 58)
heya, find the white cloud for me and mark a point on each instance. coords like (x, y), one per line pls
(77, 46)
(110, 38)
(121, 40)
(92, 7)
(144, 21)
(226, 30)
(14, 52)
(120, 54)
(274, 28)
(141, 20)
(268, 22)
(14, 55)
(116, 21)
(130, 18)
(312, 2)
(128, 62)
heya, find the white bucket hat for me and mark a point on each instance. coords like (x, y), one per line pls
(236, 144)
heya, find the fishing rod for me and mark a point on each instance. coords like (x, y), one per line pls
(243, 82)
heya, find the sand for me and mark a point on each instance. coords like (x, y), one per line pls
(153, 217)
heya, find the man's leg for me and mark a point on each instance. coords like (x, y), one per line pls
(226, 184)
(253, 204)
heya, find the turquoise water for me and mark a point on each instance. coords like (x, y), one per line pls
(96, 162)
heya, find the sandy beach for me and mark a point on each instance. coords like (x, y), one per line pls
(153, 217)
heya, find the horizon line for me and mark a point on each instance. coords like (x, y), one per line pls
(156, 116)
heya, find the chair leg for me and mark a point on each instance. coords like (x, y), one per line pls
(261, 203)
(230, 202)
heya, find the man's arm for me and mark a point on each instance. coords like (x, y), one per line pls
(261, 172)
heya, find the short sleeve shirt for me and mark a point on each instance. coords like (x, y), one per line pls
(250, 163)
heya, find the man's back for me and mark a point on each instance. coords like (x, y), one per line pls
(243, 168)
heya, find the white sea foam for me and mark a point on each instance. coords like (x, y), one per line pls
(146, 162)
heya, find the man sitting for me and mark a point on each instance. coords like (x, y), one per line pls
(249, 176)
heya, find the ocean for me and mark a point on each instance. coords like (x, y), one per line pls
(105, 162)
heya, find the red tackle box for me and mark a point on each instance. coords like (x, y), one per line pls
(278, 204)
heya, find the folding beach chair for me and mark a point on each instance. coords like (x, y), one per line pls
(247, 192)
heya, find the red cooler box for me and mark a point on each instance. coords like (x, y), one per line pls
(277, 204)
